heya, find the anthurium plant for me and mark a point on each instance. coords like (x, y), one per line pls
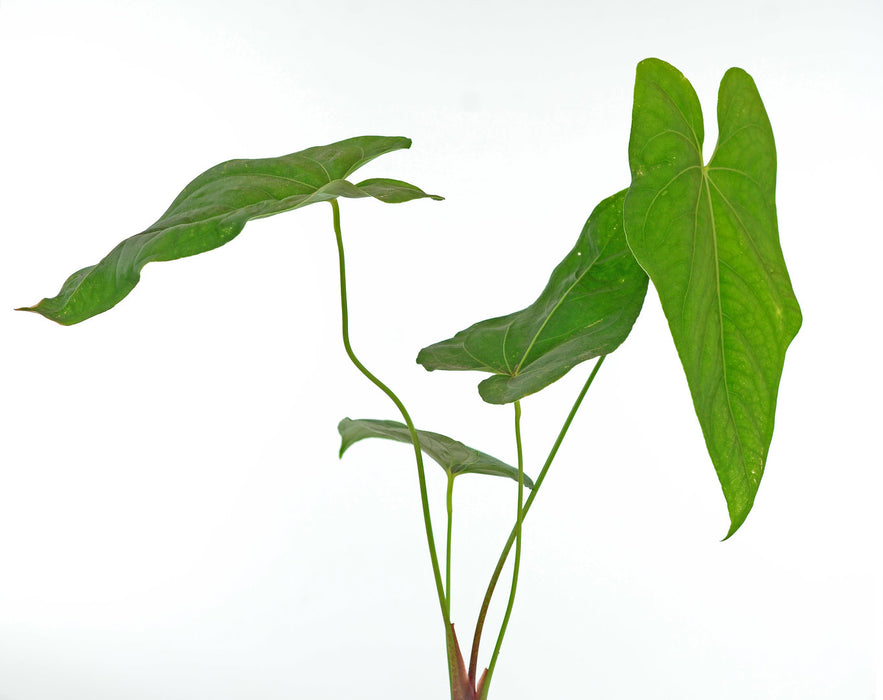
(705, 234)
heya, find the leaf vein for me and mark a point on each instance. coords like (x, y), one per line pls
(723, 349)
(589, 266)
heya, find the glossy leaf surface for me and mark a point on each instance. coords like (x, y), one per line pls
(586, 310)
(454, 457)
(213, 209)
(708, 237)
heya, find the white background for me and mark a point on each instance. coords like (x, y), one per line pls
(174, 523)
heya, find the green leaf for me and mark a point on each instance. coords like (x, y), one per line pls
(454, 457)
(707, 235)
(586, 310)
(214, 208)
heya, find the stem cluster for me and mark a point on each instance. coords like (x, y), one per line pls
(464, 685)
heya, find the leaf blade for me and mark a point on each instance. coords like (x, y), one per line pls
(708, 237)
(214, 208)
(453, 456)
(587, 309)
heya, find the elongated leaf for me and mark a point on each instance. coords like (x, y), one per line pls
(586, 310)
(214, 208)
(708, 237)
(454, 457)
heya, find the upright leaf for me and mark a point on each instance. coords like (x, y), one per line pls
(454, 457)
(586, 310)
(214, 208)
(708, 237)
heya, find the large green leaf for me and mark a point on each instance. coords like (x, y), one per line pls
(707, 235)
(454, 457)
(214, 208)
(586, 310)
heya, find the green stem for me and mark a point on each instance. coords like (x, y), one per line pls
(421, 475)
(479, 626)
(450, 507)
(519, 518)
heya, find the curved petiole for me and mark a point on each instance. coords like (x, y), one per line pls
(482, 615)
(421, 475)
(519, 518)
(450, 509)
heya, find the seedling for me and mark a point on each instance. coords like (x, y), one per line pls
(704, 233)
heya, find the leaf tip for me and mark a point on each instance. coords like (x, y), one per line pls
(736, 521)
(341, 429)
(35, 309)
(423, 359)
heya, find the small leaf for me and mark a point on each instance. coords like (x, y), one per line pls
(213, 209)
(454, 457)
(586, 310)
(708, 237)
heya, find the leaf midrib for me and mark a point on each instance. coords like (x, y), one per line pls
(705, 185)
(706, 182)
(552, 313)
(307, 199)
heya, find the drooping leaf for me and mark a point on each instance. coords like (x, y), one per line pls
(454, 457)
(586, 310)
(214, 208)
(708, 237)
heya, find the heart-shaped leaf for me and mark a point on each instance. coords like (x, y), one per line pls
(586, 310)
(214, 208)
(454, 457)
(707, 235)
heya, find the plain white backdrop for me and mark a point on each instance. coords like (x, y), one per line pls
(174, 522)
